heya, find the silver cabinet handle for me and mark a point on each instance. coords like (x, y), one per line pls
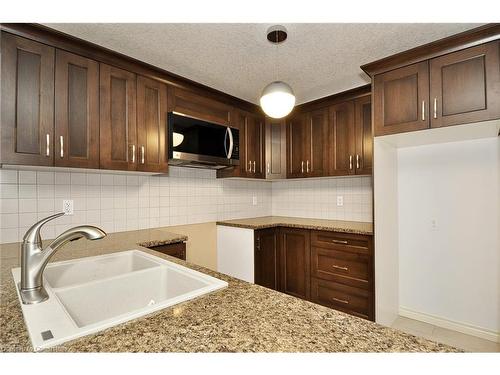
(340, 241)
(142, 154)
(254, 166)
(268, 167)
(249, 166)
(435, 107)
(340, 300)
(357, 161)
(47, 142)
(133, 153)
(340, 267)
(423, 110)
(350, 161)
(307, 166)
(61, 143)
(302, 166)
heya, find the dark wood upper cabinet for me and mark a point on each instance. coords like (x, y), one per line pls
(275, 139)
(295, 262)
(117, 112)
(251, 145)
(195, 105)
(317, 143)
(363, 160)
(27, 130)
(151, 125)
(76, 111)
(465, 86)
(266, 257)
(297, 147)
(401, 99)
(342, 143)
(307, 144)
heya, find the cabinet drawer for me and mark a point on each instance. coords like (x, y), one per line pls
(341, 297)
(329, 264)
(356, 243)
(177, 250)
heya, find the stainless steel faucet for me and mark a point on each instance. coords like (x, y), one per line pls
(34, 258)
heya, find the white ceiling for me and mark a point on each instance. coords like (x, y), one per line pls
(317, 59)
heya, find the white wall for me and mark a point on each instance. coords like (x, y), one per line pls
(385, 189)
(317, 198)
(451, 271)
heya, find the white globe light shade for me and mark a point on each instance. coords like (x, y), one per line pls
(277, 99)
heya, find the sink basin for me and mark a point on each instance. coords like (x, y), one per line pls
(90, 294)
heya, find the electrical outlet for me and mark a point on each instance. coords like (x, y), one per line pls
(434, 225)
(68, 206)
(254, 201)
(340, 200)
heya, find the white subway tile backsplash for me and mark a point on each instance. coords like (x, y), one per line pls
(8, 235)
(28, 191)
(93, 179)
(27, 177)
(45, 178)
(9, 220)
(78, 178)
(118, 202)
(8, 176)
(27, 205)
(63, 178)
(9, 191)
(318, 198)
(9, 206)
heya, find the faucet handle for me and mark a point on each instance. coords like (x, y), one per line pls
(33, 234)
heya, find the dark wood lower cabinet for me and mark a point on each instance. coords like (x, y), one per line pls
(177, 250)
(354, 301)
(295, 275)
(266, 256)
(329, 268)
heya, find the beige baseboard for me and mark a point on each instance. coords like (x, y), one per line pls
(451, 324)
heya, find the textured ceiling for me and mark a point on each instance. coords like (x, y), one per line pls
(317, 59)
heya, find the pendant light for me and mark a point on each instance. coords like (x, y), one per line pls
(277, 99)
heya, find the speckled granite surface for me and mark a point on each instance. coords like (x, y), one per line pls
(356, 227)
(241, 318)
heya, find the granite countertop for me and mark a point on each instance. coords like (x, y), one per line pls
(356, 227)
(241, 318)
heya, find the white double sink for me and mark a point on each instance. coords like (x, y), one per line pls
(90, 294)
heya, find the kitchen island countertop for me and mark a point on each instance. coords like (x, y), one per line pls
(241, 318)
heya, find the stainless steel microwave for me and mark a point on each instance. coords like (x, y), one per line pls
(197, 143)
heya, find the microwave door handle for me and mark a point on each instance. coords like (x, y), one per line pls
(231, 143)
(225, 138)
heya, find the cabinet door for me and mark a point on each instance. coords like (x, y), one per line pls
(317, 157)
(252, 130)
(118, 137)
(194, 105)
(342, 139)
(401, 99)
(266, 256)
(257, 123)
(363, 135)
(151, 125)
(297, 146)
(465, 86)
(275, 149)
(27, 101)
(76, 111)
(295, 262)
